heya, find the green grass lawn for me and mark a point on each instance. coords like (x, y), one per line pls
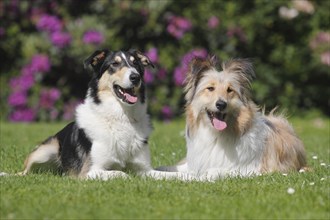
(47, 196)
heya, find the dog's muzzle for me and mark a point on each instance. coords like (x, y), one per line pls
(135, 78)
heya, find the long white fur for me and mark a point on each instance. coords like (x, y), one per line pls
(213, 154)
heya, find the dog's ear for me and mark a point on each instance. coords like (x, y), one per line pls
(200, 65)
(197, 67)
(97, 59)
(242, 67)
(142, 57)
(214, 60)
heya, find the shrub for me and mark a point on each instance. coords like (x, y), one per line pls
(44, 43)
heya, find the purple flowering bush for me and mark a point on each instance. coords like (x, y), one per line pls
(43, 45)
(93, 37)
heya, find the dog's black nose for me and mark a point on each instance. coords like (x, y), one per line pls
(221, 105)
(135, 78)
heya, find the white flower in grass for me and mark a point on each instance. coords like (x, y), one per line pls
(290, 191)
(314, 157)
(284, 174)
(3, 174)
(322, 164)
(312, 184)
(302, 170)
(322, 179)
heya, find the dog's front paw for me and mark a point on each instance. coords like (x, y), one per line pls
(211, 175)
(207, 178)
(106, 174)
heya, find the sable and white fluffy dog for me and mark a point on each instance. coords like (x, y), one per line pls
(226, 134)
(111, 130)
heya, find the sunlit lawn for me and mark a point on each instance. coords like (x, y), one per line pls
(47, 196)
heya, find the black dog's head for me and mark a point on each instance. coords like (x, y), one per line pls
(120, 72)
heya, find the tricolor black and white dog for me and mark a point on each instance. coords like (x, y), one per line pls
(112, 127)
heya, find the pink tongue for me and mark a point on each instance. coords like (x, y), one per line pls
(131, 99)
(219, 125)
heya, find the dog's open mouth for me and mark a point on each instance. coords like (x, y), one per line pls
(126, 95)
(217, 120)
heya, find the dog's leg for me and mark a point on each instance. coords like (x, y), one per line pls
(182, 166)
(44, 154)
(162, 175)
(106, 174)
(141, 164)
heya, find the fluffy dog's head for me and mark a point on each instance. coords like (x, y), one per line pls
(120, 73)
(220, 99)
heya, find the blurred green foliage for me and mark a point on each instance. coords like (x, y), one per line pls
(288, 42)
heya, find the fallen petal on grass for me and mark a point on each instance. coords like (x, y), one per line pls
(290, 190)
(3, 174)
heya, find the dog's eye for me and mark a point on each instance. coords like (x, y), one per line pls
(115, 64)
(211, 88)
(135, 62)
(229, 90)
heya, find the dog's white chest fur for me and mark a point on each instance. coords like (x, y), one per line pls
(235, 156)
(116, 137)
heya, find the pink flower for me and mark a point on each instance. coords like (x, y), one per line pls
(54, 94)
(213, 22)
(93, 37)
(69, 109)
(201, 53)
(53, 114)
(180, 71)
(23, 114)
(179, 75)
(178, 26)
(49, 97)
(174, 31)
(27, 70)
(148, 76)
(21, 83)
(49, 23)
(60, 39)
(303, 6)
(237, 32)
(182, 23)
(167, 112)
(152, 54)
(320, 39)
(17, 99)
(325, 58)
(161, 74)
(40, 63)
